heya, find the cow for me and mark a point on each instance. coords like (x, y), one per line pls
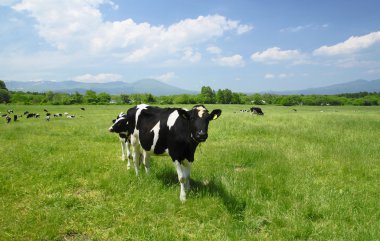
(47, 118)
(30, 115)
(8, 119)
(173, 131)
(120, 126)
(46, 110)
(14, 117)
(82, 108)
(257, 111)
(70, 116)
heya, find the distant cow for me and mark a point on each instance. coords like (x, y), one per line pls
(70, 116)
(26, 112)
(30, 115)
(10, 111)
(47, 118)
(8, 119)
(82, 108)
(120, 126)
(257, 111)
(46, 110)
(14, 117)
(174, 131)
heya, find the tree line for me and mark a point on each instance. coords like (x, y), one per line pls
(206, 96)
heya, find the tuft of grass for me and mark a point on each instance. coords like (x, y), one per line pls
(283, 176)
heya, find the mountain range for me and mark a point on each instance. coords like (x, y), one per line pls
(152, 86)
(347, 87)
(158, 88)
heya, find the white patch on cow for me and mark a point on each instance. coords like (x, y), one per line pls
(201, 111)
(172, 118)
(121, 114)
(155, 130)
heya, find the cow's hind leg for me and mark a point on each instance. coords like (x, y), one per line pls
(146, 161)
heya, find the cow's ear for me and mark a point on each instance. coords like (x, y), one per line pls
(114, 120)
(184, 114)
(215, 114)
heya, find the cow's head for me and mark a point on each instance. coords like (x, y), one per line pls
(199, 118)
(120, 124)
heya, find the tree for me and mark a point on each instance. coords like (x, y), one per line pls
(90, 97)
(207, 95)
(2, 85)
(4, 96)
(4, 93)
(125, 99)
(104, 98)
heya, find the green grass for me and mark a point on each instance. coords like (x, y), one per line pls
(285, 176)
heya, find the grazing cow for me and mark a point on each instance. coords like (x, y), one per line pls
(4, 115)
(120, 126)
(37, 116)
(57, 115)
(47, 118)
(70, 116)
(10, 111)
(30, 115)
(26, 112)
(257, 111)
(46, 110)
(174, 131)
(14, 117)
(82, 108)
(8, 119)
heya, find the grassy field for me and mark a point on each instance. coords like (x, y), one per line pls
(305, 175)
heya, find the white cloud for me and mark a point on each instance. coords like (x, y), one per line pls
(230, 61)
(7, 2)
(73, 25)
(191, 55)
(214, 50)
(166, 77)
(278, 76)
(300, 28)
(275, 54)
(244, 29)
(99, 78)
(352, 45)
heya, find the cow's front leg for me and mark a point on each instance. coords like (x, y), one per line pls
(122, 142)
(128, 146)
(182, 181)
(186, 168)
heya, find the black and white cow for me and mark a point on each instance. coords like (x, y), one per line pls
(8, 119)
(174, 131)
(256, 110)
(120, 127)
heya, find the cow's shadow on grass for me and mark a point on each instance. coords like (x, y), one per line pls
(200, 189)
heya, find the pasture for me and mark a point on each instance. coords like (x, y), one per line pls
(305, 175)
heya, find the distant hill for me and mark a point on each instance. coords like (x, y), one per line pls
(348, 87)
(152, 86)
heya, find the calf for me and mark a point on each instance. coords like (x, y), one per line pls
(120, 126)
(174, 131)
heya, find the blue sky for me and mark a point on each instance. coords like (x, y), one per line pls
(243, 45)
